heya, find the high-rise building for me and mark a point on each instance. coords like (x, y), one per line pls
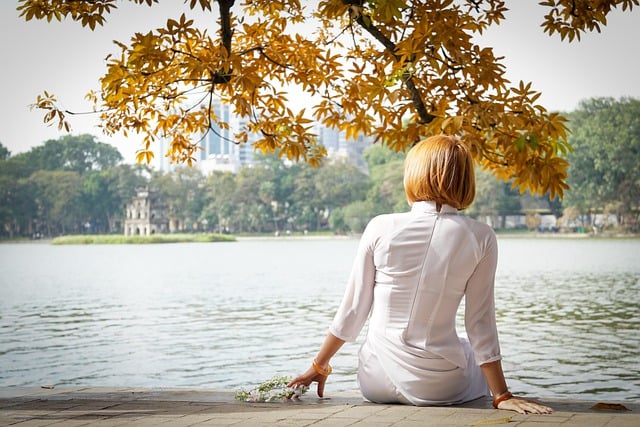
(220, 151)
(218, 139)
(329, 138)
(338, 147)
(246, 151)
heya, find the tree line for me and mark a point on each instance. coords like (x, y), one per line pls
(76, 185)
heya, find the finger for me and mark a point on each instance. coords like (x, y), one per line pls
(293, 382)
(321, 383)
(517, 408)
(512, 405)
(300, 381)
(541, 409)
(525, 406)
(535, 407)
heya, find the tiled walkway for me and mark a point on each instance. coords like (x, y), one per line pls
(183, 407)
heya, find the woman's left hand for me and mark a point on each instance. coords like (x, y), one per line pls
(309, 377)
(524, 406)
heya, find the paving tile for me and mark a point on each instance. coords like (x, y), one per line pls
(369, 423)
(334, 422)
(134, 407)
(358, 412)
(431, 412)
(29, 423)
(71, 423)
(548, 419)
(623, 421)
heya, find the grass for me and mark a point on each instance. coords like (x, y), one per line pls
(112, 239)
(328, 233)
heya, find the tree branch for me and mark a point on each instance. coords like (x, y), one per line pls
(260, 49)
(226, 33)
(407, 77)
(225, 23)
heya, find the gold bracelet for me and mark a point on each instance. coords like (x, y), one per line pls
(501, 398)
(320, 370)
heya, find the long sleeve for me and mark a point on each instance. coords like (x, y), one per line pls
(410, 274)
(480, 321)
(358, 297)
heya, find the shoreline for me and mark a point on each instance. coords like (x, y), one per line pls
(90, 239)
(538, 235)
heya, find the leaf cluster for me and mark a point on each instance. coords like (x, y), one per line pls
(397, 70)
(571, 18)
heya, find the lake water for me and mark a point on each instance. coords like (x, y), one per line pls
(232, 315)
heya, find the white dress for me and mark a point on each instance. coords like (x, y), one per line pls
(410, 274)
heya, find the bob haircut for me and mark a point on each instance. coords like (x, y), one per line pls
(440, 169)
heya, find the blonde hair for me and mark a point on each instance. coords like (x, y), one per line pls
(440, 169)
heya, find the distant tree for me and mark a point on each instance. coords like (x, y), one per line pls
(386, 171)
(57, 198)
(397, 70)
(605, 171)
(4, 152)
(339, 183)
(71, 153)
(18, 166)
(256, 197)
(105, 193)
(357, 215)
(219, 210)
(308, 210)
(337, 221)
(494, 199)
(184, 193)
(377, 155)
(17, 209)
(276, 187)
(95, 201)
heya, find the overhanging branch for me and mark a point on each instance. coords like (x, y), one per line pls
(407, 77)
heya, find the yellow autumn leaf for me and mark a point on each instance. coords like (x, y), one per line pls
(390, 69)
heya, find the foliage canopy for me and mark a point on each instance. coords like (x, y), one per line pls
(398, 70)
(605, 172)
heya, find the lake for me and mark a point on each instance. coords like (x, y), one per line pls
(232, 315)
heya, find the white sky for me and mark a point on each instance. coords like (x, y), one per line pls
(67, 60)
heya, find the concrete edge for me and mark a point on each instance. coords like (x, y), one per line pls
(226, 397)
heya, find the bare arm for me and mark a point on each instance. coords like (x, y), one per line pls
(320, 367)
(494, 376)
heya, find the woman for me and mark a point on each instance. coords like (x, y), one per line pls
(409, 276)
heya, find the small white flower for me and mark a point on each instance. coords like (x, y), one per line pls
(299, 391)
(273, 390)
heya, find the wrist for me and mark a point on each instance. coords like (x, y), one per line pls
(324, 371)
(501, 398)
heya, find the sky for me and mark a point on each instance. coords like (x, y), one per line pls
(68, 60)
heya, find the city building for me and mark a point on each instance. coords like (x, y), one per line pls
(220, 151)
(339, 147)
(145, 215)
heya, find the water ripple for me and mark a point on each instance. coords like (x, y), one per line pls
(568, 329)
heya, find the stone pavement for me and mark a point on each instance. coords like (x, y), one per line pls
(113, 407)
